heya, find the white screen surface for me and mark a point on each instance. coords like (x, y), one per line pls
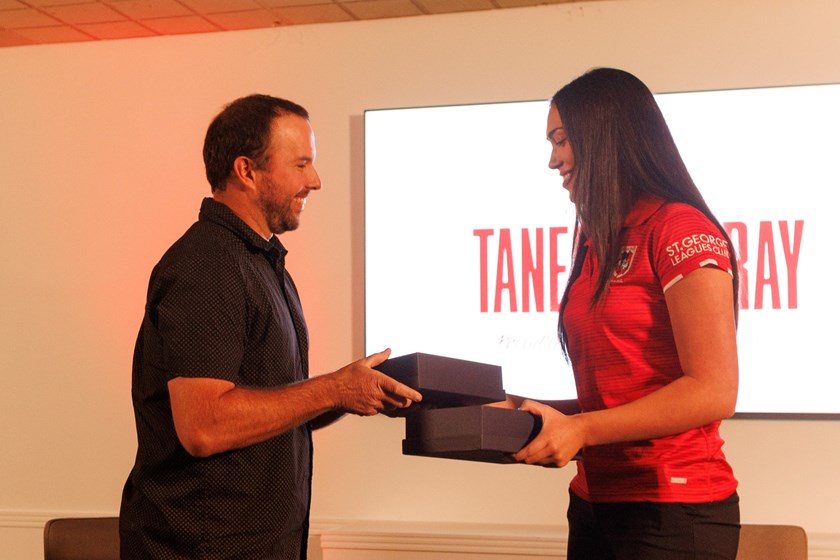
(468, 235)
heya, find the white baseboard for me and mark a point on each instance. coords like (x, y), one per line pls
(405, 540)
(353, 539)
(824, 545)
(396, 540)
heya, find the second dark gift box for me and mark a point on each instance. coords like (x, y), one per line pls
(471, 433)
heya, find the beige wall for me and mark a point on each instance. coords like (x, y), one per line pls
(101, 170)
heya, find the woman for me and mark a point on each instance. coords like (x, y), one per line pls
(650, 336)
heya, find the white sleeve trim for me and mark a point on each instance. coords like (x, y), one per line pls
(707, 262)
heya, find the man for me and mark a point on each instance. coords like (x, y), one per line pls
(223, 403)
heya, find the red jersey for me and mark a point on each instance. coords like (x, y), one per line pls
(624, 349)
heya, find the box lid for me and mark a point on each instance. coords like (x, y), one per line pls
(445, 381)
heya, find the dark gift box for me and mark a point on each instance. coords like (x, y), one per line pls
(473, 433)
(446, 381)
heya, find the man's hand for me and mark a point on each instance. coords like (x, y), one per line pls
(365, 391)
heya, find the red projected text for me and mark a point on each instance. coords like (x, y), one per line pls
(782, 235)
(527, 256)
(526, 262)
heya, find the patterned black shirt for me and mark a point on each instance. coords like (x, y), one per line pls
(220, 304)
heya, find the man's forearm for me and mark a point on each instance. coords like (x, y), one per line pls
(212, 416)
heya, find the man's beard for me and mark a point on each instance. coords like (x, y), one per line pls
(277, 211)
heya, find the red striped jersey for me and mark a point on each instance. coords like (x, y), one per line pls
(624, 349)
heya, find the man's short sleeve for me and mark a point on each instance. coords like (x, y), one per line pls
(197, 311)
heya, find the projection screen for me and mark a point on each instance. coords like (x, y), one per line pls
(468, 236)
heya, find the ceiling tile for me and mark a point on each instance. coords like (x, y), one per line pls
(11, 5)
(321, 13)
(377, 9)
(147, 9)
(117, 30)
(181, 25)
(12, 39)
(44, 3)
(219, 6)
(84, 13)
(53, 34)
(249, 19)
(291, 3)
(448, 6)
(526, 3)
(27, 17)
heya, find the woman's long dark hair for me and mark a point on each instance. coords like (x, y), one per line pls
(623, 150)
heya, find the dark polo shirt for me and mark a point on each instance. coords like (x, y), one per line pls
(220, 304)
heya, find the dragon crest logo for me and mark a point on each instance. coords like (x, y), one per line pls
(625, 261)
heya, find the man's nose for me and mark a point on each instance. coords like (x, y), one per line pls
(315, 182)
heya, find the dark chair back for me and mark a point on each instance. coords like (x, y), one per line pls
(82, 538)
(772, 542)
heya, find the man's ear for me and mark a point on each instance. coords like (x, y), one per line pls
(244, 170)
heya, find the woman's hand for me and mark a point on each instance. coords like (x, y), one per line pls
(560, 439)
